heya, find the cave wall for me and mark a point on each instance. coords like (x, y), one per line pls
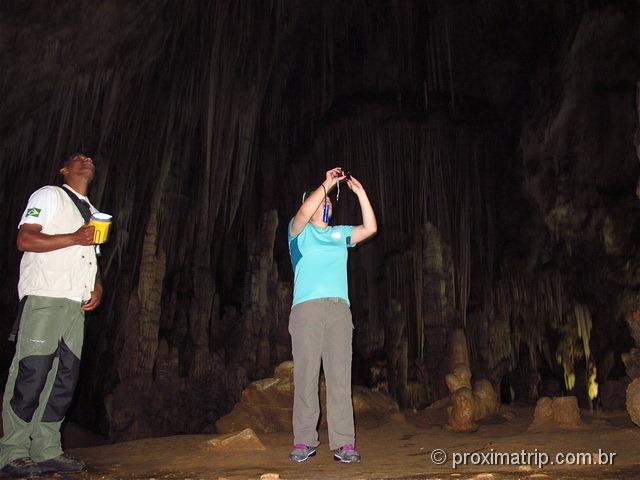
(494, 138)
(580, 172)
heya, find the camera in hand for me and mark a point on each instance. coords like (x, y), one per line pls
(345, 173)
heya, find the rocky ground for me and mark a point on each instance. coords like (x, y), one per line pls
(403, 447)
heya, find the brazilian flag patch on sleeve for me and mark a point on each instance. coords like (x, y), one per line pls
(33, 212)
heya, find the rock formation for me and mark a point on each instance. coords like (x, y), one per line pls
(556, 413)
(266, 405)
(245, 440)
(633, 401)
(469, 405)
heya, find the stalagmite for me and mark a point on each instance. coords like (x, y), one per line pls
(486, 399)
(469, 404)
(556, 413)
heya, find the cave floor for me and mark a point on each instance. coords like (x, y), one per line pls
(400, 448)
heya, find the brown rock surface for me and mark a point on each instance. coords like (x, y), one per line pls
(631, 361)
(543, 414)
(270, 476)
(266, 405)
(460, 377)
(467, 405)
(462, 412)
(284, 371)
(486, 399)
(459, 349)
(556, 413)
(243, 441)
(633, 401)
(566, 412)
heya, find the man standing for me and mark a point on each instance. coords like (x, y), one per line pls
(320, 321)
(57, 286)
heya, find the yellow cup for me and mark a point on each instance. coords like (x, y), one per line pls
(102, 224)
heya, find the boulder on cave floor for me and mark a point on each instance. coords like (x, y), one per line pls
(438, 415)
(633, 401)
(243, 441)
(266, 405)
(556, 413)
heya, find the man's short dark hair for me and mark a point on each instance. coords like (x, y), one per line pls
(68, 159)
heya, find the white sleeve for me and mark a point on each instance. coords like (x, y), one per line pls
(40, 207)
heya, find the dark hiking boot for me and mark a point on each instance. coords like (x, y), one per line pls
(21, 467)
(63, 464)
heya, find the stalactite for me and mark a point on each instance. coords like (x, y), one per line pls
(264, 304)
(215, 89)
(141, 338)
(523, 310)
(442, 160)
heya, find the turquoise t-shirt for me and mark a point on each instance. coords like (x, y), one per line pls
(319, 261)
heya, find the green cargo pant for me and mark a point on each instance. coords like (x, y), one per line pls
(322, 330)
(42, 378)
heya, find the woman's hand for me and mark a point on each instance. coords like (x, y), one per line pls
(355, 186)
(332, 177)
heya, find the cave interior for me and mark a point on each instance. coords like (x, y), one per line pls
(496, 140)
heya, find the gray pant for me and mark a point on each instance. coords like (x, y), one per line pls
(322, 330)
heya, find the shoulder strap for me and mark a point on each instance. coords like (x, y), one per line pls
(83, 206)
(85, 211)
